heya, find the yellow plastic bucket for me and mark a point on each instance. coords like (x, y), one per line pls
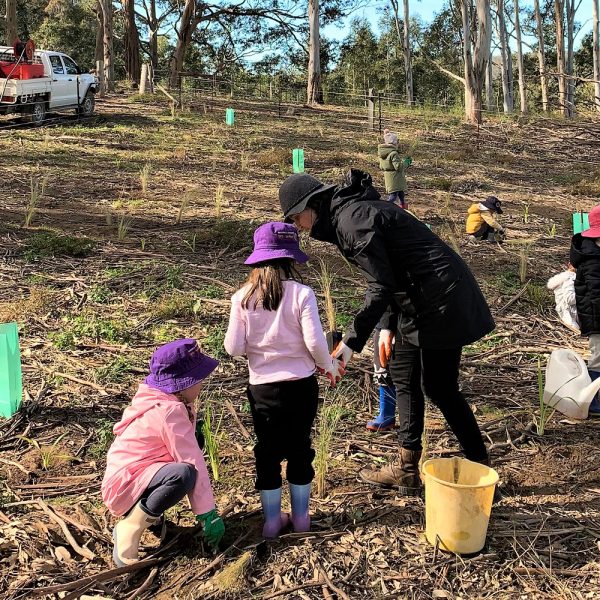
(458, 502)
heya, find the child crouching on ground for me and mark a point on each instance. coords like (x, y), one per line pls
(481, 222)
(563, 286)
(394, 168)
(155, 459)
(274, 322)
(585, 257)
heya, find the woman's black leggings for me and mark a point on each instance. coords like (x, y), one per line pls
(419, 372)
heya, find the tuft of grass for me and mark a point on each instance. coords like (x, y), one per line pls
(546, 411)
(538, 296)
(48, 243)
(37, 189)
(244, 161)
(173, 277)
(212, 291)
(326, 279)
(100, 294)
(40, 302)
(212, 342)
(225, 233)
(219, 197)
(439, 183)
(172, 305)
(50, 456)
(231, 580)
(185, 201)
(211, 430)
(329, 418)
(115, 371)
(526, 213)
(88, 325)
(145, 177)
(123, 227)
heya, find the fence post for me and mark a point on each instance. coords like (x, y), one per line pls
(371, 109)
(380, 115)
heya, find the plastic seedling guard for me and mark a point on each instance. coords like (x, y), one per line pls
(229, 117)
(580, 222)
(11, 388)
(298, 160)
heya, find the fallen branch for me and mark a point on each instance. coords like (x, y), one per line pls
(85, 552)
(340, 593)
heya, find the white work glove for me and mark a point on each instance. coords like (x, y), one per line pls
(343, 354)
(386, 343)
(334, 373)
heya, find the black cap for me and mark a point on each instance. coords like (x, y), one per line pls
(493, 204)
(296, 191)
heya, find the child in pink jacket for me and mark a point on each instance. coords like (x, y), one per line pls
(275, 323)
(155, 459)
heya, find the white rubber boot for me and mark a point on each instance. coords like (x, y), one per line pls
(127, 534)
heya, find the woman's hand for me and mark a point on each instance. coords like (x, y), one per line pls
(335, 373)
(386, 343)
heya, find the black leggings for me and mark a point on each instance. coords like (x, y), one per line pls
(168, 486)
(420, 372)
(283, 414)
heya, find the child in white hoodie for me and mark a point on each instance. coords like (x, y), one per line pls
(563, 286)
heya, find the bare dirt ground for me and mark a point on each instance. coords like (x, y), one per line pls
(139, 237)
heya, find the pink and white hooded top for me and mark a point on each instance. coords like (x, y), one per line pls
(282, 344)
(156, 429)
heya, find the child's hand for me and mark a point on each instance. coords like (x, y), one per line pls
(336, 373)
(407, 161)
(213, 527)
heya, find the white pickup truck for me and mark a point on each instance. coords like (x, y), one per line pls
(26, 89)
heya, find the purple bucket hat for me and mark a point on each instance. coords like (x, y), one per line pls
(276, 240)
(179, 365)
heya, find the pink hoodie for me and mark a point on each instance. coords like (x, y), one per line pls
(156, 429)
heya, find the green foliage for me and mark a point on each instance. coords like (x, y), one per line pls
(173, 277)
(329, 418)
(212, 342)
(115, 371)
(173, 305)
(104, 438)
(63, 340)
(50, 456)
(88, 325)
(226, 233)
(546, 411)
(211, 291)
(48, 243)
(100, 294)
(439, 183)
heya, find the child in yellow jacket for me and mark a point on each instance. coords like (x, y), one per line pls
(481, 222)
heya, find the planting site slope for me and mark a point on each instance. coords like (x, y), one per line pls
(139, 223)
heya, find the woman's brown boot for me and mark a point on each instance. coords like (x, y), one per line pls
(402, 473)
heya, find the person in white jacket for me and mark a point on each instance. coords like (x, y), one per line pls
(563, 286)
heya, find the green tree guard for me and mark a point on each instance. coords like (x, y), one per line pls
(581, 222)
(11, 385)
(229, 117)
(298, 160)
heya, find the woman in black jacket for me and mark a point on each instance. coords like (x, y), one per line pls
(419, 291)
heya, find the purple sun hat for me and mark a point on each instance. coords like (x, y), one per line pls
(179, 365)
(276, 240)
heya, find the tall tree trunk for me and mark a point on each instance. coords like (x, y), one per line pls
(404, 39)
(506, 59)
(99, 53)
(571, 10)
(541, 54)
(11, 22)
(520, 61)
(489, 83)
(407, 56)
(596, 52)
(132, 43)
(187, 25)
(153, 34)
(314, 92)
(559, 13)
(475, 60)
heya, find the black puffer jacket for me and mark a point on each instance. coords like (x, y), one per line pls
(585, 257)
(401, 257)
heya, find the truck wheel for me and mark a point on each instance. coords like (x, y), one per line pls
(36, 113)
(86, 108)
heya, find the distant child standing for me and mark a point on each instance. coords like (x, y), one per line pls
(275, 323)
(394, 166)
(585, 257)
(155, 459)
(481, 220)
(563, 286)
